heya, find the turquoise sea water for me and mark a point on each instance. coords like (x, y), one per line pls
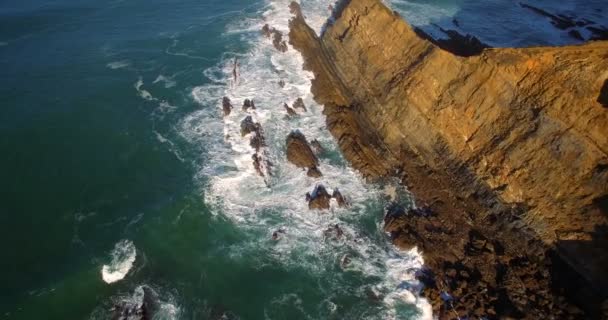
(119, 173)
(112, 139)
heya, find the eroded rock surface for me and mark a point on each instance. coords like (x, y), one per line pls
(300, 154)
(507, 150)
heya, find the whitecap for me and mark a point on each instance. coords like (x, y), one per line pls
(168, 81)
(123, 257)
(118, 64)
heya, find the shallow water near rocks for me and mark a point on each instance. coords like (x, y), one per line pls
(122, 181)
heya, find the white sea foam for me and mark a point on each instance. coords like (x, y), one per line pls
(236, 191)
(163, 105)
(123, 257)
(118, 64)
(168, 81)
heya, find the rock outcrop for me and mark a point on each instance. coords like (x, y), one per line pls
(257, 141)
(299, 104)
(226, 106)
(276, 36)
(248, 104)
(319, 198)
(506, 148)
(300, 154)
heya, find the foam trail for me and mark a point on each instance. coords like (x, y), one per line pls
(236, 191)
(123, 258)
(118, 64)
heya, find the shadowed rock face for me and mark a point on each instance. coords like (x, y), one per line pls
(509, 149)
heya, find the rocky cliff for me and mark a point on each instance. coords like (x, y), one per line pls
(506, 151)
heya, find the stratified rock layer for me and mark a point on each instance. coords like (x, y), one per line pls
(509, 146)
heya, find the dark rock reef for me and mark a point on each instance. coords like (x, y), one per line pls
(276, 36)
(506, 150)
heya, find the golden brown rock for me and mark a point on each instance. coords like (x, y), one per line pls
(300, 154)
(510, 143)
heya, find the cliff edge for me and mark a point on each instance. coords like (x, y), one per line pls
(506, 150)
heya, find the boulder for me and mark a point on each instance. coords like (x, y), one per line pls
(299, 104)
(299, 152)
(226, 106)
(319, 198)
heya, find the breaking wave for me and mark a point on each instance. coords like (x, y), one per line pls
(261, 207)
(123, 258)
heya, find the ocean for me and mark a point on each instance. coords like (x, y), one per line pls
(123, 184)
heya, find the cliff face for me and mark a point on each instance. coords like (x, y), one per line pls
(510, 143)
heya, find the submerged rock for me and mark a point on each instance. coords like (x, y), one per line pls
(334, 231)
(317, 147)
(319, 198)
(140, 306)
(226, 106)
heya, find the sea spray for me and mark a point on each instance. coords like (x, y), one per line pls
(123, 257)
(277, 209)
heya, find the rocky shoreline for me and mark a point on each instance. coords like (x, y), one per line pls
(505, 151)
